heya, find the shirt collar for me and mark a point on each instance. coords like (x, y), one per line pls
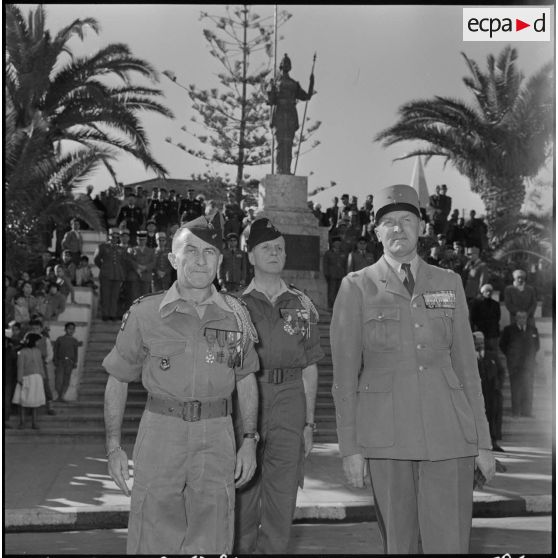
(397, 265)
(172, 301)
(283, 289)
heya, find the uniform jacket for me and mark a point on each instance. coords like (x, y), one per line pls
(358, 261)
(485, 316)
(145, 258)
(72, 241)
(335, 264)
(163, 341)
(110, 261)
(406, 381)
(133, 217)
(475, 275)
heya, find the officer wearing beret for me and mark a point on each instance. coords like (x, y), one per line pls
(109, 258)
(190, 346)
(288, 348)
(406, 388)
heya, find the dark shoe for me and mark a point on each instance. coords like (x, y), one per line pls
(496, 447)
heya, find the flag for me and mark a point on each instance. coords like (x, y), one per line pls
(418, 182)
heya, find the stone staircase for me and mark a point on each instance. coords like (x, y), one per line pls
(84, 418)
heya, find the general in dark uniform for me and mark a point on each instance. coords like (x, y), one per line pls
(133, 215)
(407, 392)
(289, 349)
(185, 461)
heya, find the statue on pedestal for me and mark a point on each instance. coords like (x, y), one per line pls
(283, 93)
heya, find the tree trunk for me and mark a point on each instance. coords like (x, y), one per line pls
(240, 163)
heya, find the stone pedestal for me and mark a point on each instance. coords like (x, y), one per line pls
(283, 198)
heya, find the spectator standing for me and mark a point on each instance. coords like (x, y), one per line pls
(144, 260)
(445, 203)
(141, 201)
(65, 359)
(520, 297)
(332, 212)
(133, 216)
(30, 376)
(21, 311)
(492, 375)
(73, 241)
(520, 343)
(474, 231)
(475, 273)
(451, 225)
(434, 258)
(109, 258)
(460, 257)
(44, 344)
(160, 209)
(233, 215)
(435, 211)
(360, 257)
(69, 266)
(233, 271)
(30, 300)
(162, 269)
(174, 216)
(190, 208)
(334, 266)
(485, 317)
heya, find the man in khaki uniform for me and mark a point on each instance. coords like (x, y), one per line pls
(185, 464)
(407, 390)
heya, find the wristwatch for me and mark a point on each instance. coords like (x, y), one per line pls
(253, 435)
(311, 425)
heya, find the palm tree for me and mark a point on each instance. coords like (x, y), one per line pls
(65, 117)
(499, 142)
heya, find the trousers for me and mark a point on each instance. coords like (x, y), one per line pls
(62, 375)
(183, 494)
(110, 289)
(521, 386)
(430, 501)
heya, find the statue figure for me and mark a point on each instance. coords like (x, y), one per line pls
(283, 93)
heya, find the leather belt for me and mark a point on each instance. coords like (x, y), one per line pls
(190, 411)
(279, 375)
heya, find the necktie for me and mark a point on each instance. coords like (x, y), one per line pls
(409, 280)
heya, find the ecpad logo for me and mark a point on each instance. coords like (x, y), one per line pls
(506, 24)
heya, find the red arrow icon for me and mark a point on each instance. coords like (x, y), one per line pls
(519, 25)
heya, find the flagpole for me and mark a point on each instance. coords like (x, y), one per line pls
(274, 76)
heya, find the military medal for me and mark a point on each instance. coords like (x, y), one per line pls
(165, 364)
(287, 322)
(439, 299)
(210, 338)
(221, 340)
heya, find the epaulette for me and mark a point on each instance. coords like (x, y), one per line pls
(243, 320)
(143, 297)
(306, 302)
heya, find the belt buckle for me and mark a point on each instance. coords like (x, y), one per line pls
(277, 375)
(191, 412)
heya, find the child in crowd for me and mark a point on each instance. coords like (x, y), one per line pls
(65, 286)
(65, 359)
(30, 391)
(69, 266)
(84, 273)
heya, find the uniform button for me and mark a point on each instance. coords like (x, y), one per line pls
(366, 388)
(421, 368)
(335, 386)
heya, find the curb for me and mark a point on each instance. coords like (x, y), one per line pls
(116, 517)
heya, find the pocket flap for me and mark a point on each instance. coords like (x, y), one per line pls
(381, 313)
(376, 384)
(440, 312)
(451, 378)
(167, 348)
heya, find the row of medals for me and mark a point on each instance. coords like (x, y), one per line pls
(221, 340)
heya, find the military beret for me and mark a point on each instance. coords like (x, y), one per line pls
(142, 234)
(261, 230)
(399, 197)
(209, 231)
(114, 230)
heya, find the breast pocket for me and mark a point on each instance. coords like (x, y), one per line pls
(441, 324)
(167, 355)
(382, 328)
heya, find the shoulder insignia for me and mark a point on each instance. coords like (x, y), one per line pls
(242, 316)
(143, 297)
(307, 304)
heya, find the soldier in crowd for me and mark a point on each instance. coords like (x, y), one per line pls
(520, 297)
(190, 208)
(485, 316)
(335, 267)
(475, 273)
(161, 211)
(233, 271)
(73, 241)
(492, 376)
(332, 212)
(143, 261)
(185, 465)
(173, 207)
(112, 205)
(154, 198)
(460, 257)
(151, 228)
(520, 343)
(407, 392)
(289, 349)
(474, 229)
(162, 269)
(109, 258)
(427, 240)
(133, 216)
(360, 257)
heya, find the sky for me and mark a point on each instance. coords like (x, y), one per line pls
(370, 60)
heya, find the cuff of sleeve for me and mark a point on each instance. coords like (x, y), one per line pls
(120, 368)
(347, 441)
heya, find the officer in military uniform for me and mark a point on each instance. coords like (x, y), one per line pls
(409, 405)
(360, 257)
(162, 269)
(191, 346)
(160, 210)
(109, 258)
(233, 271)
(190, 208)
(133, 215)
(130, 283)
(143, 259)
(151, 228)
(289, 348)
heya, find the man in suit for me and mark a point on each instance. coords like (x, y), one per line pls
(73, 241)
(406, 387)
(520, 343)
